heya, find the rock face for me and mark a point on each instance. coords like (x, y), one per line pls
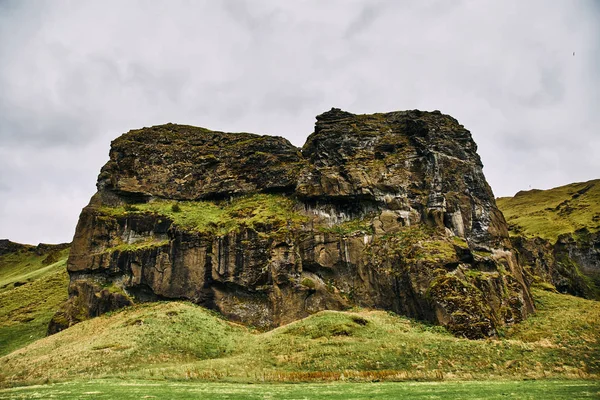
(189, 163)
(572, 264)
(389, 211)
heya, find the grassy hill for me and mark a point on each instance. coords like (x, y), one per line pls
(33, 283)
(176, 340)
(550, 213)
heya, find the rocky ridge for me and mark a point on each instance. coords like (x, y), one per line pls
(389, 211)
(8, 247)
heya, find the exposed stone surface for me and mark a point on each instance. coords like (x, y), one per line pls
(87, 299)
(6, 246)
(572, 264)
(389, 211)
(188, 163)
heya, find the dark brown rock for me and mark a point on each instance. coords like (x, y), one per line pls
(6, 247)
(87, 299)
(189, 163)
(389, 211)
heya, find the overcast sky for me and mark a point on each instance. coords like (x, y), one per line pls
(76, 74)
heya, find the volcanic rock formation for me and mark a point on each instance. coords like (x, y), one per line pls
(389, 211)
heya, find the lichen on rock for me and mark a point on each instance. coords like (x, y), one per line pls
(389, 211)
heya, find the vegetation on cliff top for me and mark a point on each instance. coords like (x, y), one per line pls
(263, 212)
(551, 213)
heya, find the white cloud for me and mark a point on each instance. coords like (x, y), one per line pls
(75, 75)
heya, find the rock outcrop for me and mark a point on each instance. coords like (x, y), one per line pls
(389, 211)
(6, 247)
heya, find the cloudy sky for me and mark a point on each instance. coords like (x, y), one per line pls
(76, 74)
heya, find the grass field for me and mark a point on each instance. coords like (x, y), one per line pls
(550, 213)
(114, 389)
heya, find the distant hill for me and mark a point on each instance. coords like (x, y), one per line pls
(557, 235)
(550, 213)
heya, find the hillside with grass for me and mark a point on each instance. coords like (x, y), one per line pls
(550, 213)
(33, 283)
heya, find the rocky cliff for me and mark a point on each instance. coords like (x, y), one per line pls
(556, 233)
(389, 211)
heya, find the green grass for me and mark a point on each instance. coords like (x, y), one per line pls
(362, 226)
(182, 341)
(117, 389)
(550, 213)
(263, 212)
(25, 310)
(566, 323)
(144, 244)
(26, 266)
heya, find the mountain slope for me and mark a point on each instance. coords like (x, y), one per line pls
(550, 213)
(33, 283)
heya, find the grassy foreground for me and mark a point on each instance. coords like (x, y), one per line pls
(181, 341)
(112, 389)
